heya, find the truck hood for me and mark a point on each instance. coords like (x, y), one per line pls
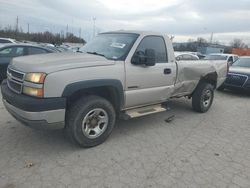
(239, 70)
(53, 62)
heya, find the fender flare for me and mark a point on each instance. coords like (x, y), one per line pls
(87, 84)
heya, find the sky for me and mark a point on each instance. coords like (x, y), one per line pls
(183, 19)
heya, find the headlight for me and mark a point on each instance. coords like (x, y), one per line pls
(37, 78)
(36, 92)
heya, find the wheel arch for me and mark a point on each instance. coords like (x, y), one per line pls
(210, 78)
(110, 89)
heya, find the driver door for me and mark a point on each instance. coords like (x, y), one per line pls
(147, 85)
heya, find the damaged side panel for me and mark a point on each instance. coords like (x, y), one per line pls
(189, 73)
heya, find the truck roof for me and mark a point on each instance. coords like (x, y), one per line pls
(135, 32)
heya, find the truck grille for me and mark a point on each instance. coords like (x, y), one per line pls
(15, 80)
(236, 79)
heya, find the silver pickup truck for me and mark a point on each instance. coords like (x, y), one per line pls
(122, 74)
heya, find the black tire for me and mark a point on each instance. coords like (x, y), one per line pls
(200, 102)
(221, 88)
(1, 79)
(77, 114)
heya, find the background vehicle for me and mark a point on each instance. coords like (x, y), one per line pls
(239, 75)
(123, 74)
(185, 56)
(9, 51)
(230, 58)
(74, 48)
(63, 49)
(7, 40)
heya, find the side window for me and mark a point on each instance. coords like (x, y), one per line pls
(6, 52)
(230, 59)
(12, 52)
(4, 41)
(236, 58)
(157, 44)
(34, 50)
(19, 51)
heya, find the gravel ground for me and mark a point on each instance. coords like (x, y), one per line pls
(193, 150)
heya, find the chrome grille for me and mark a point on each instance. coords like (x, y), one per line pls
(236, 79)
(15, 80)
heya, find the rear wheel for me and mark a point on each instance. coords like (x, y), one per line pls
(203, 96)
(90, 121)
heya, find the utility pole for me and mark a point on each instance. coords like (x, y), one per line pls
(94, 19)
(16, 27)
(211, 38)
(17, 24)
(80, 32)
(67, 30)
(28, 28)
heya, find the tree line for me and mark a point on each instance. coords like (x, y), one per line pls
(40, 37)
(193, 45)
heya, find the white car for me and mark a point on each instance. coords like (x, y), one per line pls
(231, 58)
(7, 40)
(181, 56)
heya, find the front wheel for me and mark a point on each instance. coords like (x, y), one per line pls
(90, 121)
(202, 98)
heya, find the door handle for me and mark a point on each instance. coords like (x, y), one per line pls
(167, 71)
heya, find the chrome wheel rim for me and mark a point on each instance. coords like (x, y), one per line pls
(207, 97)
(95, 123)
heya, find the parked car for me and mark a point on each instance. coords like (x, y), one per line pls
(9, 51)
(7, 40)
(63, 49)
(200, 55)
(231, 58)
(239, 75)
(180, 56)
(74, 48)
(125, 74)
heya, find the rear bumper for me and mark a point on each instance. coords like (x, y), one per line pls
(33, 112)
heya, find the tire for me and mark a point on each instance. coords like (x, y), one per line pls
(1, 79)
(90, 121)
(221, 88)
(202, 97)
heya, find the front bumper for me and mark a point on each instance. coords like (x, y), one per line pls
(33, 112)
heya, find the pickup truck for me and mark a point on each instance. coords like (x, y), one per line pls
(122, 74)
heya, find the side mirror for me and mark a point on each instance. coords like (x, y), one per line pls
(144, 58)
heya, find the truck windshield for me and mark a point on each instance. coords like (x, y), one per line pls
(242, 62)
(216, 57)
(113, 46)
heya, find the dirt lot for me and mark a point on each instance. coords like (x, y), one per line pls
(194, 150)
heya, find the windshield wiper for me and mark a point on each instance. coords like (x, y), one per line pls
(96, 53)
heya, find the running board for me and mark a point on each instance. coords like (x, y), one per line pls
(143, 111)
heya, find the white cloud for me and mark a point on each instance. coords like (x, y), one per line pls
(133, 6)
(226, 18)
